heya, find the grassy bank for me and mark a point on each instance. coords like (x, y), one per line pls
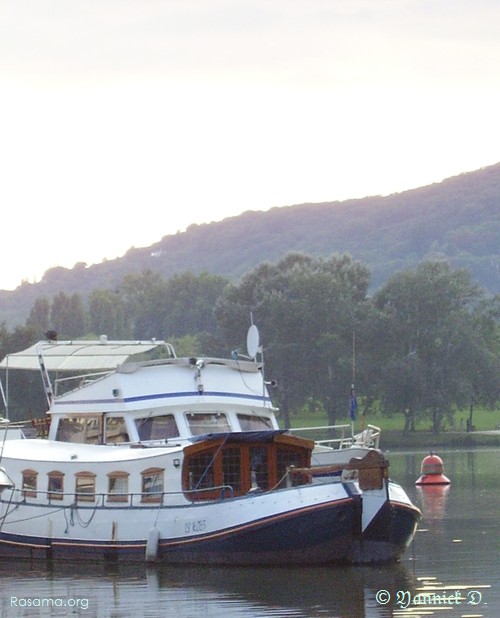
(453, 435)
(429, 440)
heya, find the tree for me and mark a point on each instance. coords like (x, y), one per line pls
(39, 317)
(107, 315)
(306, 310)
(189, 304)
(26, 398)
(68, 316)
(431, 342)
(144, 297)
(181, 305)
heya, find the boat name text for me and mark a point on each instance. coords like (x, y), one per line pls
(192, 527)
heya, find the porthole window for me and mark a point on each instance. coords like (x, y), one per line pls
(55, 487)
(118, 486)
(152, 485)
(85, 487)
(29, 485)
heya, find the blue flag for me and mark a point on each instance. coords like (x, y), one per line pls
(354, 404)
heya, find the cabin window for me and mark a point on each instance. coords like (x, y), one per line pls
(152, 485)
(231, 468)
(254, 423)
(218, 469)
(288, 458)
(55, 487)
(157, 427)
(118, 487)
(85, 486)
(259, 467)
(201, 471)
(116, 430)
(201, 423)
(212, 473)
(80, 430)
(30, 478)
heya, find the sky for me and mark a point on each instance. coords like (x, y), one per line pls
(123, 121)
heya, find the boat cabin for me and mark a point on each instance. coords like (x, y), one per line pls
(113, 393)
(208, 468)
(235, 464)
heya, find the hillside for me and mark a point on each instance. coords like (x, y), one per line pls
(458, 219)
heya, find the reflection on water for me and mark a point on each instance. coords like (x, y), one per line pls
(456, 548)
(432, 499)
(451, 570)
(197, 592)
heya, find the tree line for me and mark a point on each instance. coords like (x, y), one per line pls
(425, 344)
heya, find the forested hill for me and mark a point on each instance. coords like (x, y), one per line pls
(458, 218)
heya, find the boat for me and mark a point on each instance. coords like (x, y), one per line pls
(145, 456)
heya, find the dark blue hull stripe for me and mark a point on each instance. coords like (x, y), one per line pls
(395, 521)
(320, 533)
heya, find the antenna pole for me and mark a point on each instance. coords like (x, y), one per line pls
(354, 377)
(353, 404)
(4, 400)
(45, 376)
(353, 358)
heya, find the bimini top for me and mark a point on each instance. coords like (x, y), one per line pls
(102, 355)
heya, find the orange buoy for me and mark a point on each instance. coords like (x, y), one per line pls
(431, 471)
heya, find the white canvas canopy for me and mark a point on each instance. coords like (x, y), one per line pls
(71, 356)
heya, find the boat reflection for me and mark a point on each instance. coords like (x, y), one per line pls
(189, 592)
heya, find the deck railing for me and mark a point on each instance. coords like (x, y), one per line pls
(106, 500)
(340, 436)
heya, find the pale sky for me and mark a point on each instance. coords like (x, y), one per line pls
(123, 121)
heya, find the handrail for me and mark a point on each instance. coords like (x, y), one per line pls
(106, 500)
(321, 427)
(372, 470)
(369, 437)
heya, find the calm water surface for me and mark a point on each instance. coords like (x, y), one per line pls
(454, 563)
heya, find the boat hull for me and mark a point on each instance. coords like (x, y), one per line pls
(310, 536)
(389, 534)
(327, 529)
(307, 525)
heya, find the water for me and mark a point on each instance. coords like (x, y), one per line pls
(454, 562)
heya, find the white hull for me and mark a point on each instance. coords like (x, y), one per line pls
(308, 525)
(303, 524)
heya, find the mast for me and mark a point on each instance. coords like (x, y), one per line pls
(353, 404)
